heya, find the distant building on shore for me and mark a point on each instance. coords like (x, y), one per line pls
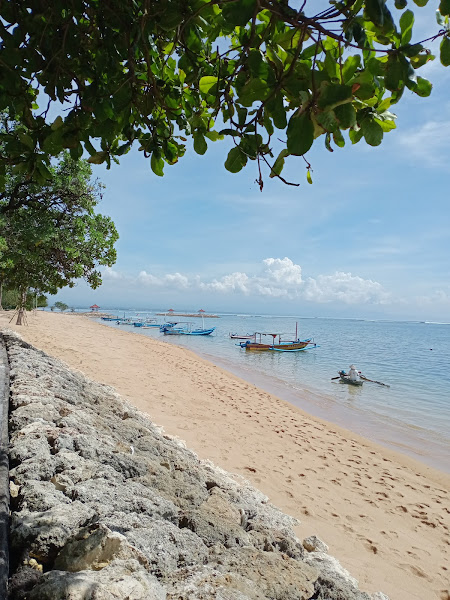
(94, 308)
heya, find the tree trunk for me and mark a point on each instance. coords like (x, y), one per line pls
(1, 294)
(21, 307)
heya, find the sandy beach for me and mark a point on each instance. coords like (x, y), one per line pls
(383, 515)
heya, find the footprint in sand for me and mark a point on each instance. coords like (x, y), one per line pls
(371, 546)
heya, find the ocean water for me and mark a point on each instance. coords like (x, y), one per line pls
(411, 416)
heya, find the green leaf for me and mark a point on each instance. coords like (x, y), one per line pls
(355, 135)
(123, 149)
(401, 4)
(213, 135)
(57, 123)
(406, 25)
(98, 158)
(300, 134)
(445, 51)
(386, 124)
(276, 109)
(394, 74)
(76, 152)
(256, 89)
(372, 132)
(308, 177)
(89, 147)
(388, 26)
(157, 165)
(332, 95)
(206, 83)
(421, 2)
(421, 59)
(350, 66)
(239, 12)
(374, 11)
(236, 160)
(338, 138)
(423, 87)
(444, 7)
(43, 170)
(26, 140)
(279, 163)
(346, 115)
(200, 145)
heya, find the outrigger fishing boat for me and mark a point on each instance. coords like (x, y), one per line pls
(353, 377)
(185, 328)
(280, 345)
(147, 324)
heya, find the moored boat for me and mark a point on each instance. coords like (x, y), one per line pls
(186, 329)
(282, 346)
(147, 323)
(247, 336)
(277, 345)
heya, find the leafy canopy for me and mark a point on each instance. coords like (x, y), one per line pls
(51, 232)
(118, 72)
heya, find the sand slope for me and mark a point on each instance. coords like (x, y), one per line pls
(384, 516)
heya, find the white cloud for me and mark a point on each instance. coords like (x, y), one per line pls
(177, 280)
(109, 273)
(282, 271)
(346, 288)
(236, 282)
(277, 278)
(440, 297)
(171, 280)
(430, 143)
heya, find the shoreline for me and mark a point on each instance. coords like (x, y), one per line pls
(382, 514)
(311, 402)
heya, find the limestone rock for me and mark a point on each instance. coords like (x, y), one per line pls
(314, 544)
(94, 548)
(121, 580)
(334, 582)
(45, 533)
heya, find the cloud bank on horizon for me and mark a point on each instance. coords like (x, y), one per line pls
(276, 278)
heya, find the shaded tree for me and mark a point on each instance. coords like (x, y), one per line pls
(52, 234)
(61, 306)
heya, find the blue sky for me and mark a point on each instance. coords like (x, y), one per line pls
(369, 239)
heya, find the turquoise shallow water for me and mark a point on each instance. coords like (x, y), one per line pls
(411, 416)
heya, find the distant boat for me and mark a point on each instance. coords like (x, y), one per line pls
(147, 324)
(248, 336)
(185, 329)
(167, 325)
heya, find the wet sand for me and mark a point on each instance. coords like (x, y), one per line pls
(385, 516)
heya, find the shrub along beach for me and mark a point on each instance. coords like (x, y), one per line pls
(384, 516)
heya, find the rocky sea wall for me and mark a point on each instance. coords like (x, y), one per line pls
(105, 506)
